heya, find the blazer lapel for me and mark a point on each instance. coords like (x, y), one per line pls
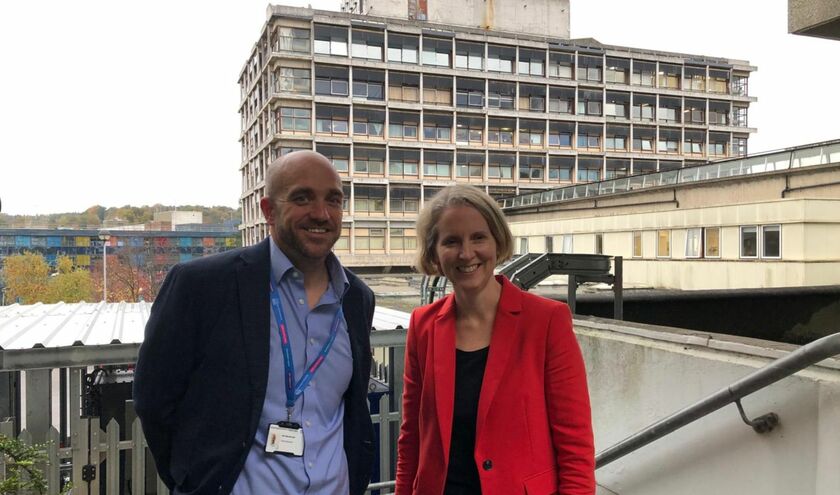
(252, 279)
(505, 330)
(443, 357)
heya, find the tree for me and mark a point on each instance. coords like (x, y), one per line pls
(131, 275)
(68, 284)
(25, 276)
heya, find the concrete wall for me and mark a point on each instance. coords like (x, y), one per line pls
(819, 18)
(535, 17)
(640, 374)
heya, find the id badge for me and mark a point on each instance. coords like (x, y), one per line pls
(285, 438)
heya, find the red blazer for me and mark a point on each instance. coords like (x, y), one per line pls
(534, 427)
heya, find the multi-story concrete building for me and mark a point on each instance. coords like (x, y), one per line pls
(403, 106)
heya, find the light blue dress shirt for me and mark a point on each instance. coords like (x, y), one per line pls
(320, 410)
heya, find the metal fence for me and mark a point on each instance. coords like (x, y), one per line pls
(52, 398)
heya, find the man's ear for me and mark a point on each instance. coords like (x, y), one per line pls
(267, 208)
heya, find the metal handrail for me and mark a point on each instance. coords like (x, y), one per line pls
(797, 360)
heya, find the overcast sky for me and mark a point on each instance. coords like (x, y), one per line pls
(113, 102)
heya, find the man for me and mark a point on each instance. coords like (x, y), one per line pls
(253, 374)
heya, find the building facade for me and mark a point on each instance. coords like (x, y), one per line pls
(765, 221)
(403, 107)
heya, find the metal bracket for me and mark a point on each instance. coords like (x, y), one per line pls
(761, 424)
(88, 472)
(91, 393)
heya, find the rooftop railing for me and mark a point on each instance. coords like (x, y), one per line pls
(806, 156)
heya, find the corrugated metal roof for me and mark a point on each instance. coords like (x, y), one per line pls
(62, 325)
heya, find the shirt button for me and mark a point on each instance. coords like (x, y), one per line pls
(487, 465)
(300, 301)
(310, 465)
(307, 423)
(312, 341)
(294, 274)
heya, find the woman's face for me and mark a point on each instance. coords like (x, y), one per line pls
(465, 248)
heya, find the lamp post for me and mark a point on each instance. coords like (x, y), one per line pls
(104, 237)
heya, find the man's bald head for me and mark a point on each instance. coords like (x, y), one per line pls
(282, 171)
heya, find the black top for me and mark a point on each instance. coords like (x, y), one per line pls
(462, 475)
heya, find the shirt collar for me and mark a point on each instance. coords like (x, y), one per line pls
(282, 267)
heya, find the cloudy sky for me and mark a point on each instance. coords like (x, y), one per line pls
(113, 102)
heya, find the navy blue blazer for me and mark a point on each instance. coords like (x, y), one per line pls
(202, 371)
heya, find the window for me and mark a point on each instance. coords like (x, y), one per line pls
(739, 146)
(649, 166)
(589, 169)
(469, 165)
(405, 199)
(470, 93)
(643, 107)
(617, 138)
(560, 168)
(437, 127)
(500, 58)
(437, 90)
(749, 242)
(291, 80)
(531, 167)
(618, 105)
(437, 51)
(695, 142)
(561, 64)
(589, 137)
(403, 48)
(669, 76)
(500, 165)
(718, 81)
(332, 120)
(338, 155)
(531, 62)
(500, 132)
(368, 44)
(560, 134)
(771, 245)
(637, 244)
(644, 73)
(618, 70)
(404, 86)
(669, 141)
(532, 98)
(429, 192)
(718, 112)
(403, 125)
(589, 68)
(532, 133)
(293, 120)
(669, 109)
(561, 100)
(437, 163)
(330, 40)
(739, 116)
(599, 243)
(523, 245)
(693, 243)
(403, 239)
(369, 161)
(711, 242)
(343, 242)
(470, 130)
(740, 85)
(368, 240)
(501, 95)
(617, 168)
(695, 111)
(694, 78)
(368, 199)
(291, 39)
(549, 244)
(369, 84)
(567, 244)
(368, 122)
(663, 244)
(469, 55)
(718, 144)
(403, 163)
(589, 102)
(331, 80)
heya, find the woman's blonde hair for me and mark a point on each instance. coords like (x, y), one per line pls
(459, 195)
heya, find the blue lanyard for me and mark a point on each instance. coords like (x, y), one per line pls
(295, 390)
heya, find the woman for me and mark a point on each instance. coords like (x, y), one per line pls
(495, 399)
